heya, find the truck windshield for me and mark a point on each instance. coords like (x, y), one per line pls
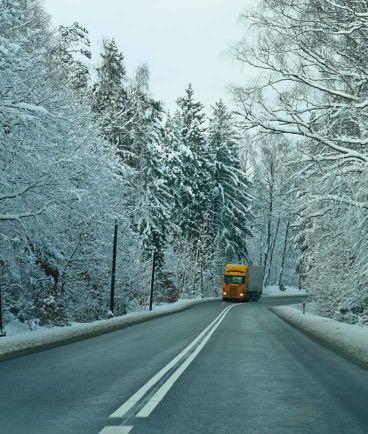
(234, 279)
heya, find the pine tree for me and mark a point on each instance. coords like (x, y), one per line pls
(110, 94)
(172, 151)
(230, 192)
(191, 166)
(74, 45)
(191, 153)
(151, 180)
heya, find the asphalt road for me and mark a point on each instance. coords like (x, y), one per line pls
(249, 372)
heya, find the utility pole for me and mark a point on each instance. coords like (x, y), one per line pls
(154, 255)
(2, 331)
(202, 286)
(199, 263)
(113, 268)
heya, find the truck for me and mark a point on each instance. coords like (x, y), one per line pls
(242, 282)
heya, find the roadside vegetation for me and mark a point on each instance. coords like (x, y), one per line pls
(85, 145)
(312, 90)
(278, 180)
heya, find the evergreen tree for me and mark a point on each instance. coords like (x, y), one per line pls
(110, 94)
(230, 187)
(192, 155)
(173, 154)
(151, 176)
(72, 46)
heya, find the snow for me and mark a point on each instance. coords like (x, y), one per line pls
(17, 328)
(275, 291)
(43, 338)
(30, 107)
(347, 339)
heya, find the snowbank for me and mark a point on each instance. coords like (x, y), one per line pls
(275, 291)
(15, 346)
(349, 340)
(16, 328)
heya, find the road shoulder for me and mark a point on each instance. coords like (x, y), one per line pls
(351, 341)
(16, 346)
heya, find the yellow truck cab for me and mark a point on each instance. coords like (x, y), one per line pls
(234, 282)
(242, 282)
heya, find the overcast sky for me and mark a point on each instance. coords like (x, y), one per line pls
(182, 41)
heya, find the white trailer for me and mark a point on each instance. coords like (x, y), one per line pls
(255, 282)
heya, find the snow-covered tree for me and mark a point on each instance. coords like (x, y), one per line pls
(193, 185)
(230, 187)
(72, 50)
(274, 208)
(314, 88)
(153, 197)
(110, 94)
(59, 191)
(189, 180)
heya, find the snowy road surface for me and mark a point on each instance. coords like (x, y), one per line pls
(209, 369)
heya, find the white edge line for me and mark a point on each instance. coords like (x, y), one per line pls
(123, 409)
(162, 391)
(116, 430)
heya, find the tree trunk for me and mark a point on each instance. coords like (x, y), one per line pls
(279, 279)
(272, 248)
(270, 215)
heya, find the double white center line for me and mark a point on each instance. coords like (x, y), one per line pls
(151, 404)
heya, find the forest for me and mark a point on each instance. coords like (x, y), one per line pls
(278, 179)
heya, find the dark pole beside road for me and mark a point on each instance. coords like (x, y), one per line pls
(152, 277)
(113, 268)
(2, 332)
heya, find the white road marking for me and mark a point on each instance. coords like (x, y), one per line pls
(121, 411)
(162, 391)
(116, 430)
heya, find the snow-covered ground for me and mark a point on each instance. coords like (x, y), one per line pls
(275, 291)
(22, 340)
(348, 339)
(15, 327)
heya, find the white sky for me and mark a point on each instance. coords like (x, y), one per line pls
(181, 40)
